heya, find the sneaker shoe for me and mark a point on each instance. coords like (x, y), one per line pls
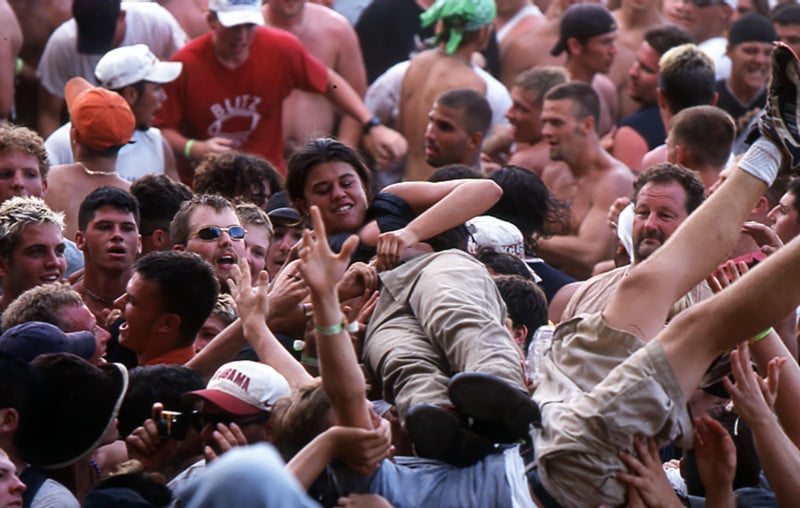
(778, 121)
(440, 433)
(499, 411)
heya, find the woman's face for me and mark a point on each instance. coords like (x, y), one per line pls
(337, 190)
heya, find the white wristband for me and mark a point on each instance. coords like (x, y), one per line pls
(762, 160)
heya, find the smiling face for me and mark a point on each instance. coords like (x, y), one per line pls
(256, 245)
(337, 190)
(750, 64)
(38, 258)
(224, 252)
(111, 240)
(660, 209)
(141, 306)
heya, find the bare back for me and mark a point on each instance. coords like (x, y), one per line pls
(328, 36)
(68, 185)
(518, 55)
(430, 74)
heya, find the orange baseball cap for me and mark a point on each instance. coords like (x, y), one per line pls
(102, 118)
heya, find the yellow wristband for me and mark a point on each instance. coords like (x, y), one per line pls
(187, 148)
(756, 338)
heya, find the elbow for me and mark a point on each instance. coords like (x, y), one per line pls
(492, 192)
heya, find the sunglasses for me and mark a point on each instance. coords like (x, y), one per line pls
(706, 3)
(213, 419)
(211, 233)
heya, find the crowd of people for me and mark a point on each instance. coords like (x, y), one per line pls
(374, 253)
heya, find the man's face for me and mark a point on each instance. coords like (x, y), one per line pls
(561, 129)
(287, 8)
(784, 218)
(643, 76)
(525, 115)
(77, 318)
(283, 239)
(253, 427)
(750, 64)
(659, 210)
(11, 487)
(147, 104)
(208, 331)
(224, 252)
(20, 176)
(597, 53)
(702, 18)
(37, 259)
(111, 241)
(233, 43)
(789, 34)
(141, 306)
(256, 244)
(446, 137)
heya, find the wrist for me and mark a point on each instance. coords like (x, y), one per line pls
(367, 126)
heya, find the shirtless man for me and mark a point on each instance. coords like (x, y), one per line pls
(594, 180)
(514, 19)
(37, 19)
(517, 55)
(10, 45)
(190, 14)
(634, 18)
(588, 35)
(531, 151)
(102, 123)
(437, 70)
(328, 36)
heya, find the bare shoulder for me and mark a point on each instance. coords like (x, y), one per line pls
(603, 85)
(325, 18)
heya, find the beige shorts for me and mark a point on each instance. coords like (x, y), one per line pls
(578, 448)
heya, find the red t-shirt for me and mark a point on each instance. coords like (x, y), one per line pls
(242, 104)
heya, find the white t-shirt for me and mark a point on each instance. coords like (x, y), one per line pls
(717, 49)
(134, 160)
(145, 23)
(51, 494)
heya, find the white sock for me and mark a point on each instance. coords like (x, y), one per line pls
(762, 160)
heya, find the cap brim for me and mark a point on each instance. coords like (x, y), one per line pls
(243, 17)
(284, 214)
(84, 344)
(226, 402)
(558, 48)
(74, 88)
(164, 72)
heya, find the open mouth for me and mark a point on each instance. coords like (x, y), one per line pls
(342, 209)
(226, 261)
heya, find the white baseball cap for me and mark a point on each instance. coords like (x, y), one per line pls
(502, 236)
(243, 388)
(237, 12)
(127, 65)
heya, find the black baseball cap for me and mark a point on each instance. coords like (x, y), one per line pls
(583, 21)
(97, 22)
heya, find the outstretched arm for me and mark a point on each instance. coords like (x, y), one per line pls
(341, 377)
(752, 397)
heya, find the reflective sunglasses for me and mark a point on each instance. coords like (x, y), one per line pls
(211, 233)
(706, 3)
